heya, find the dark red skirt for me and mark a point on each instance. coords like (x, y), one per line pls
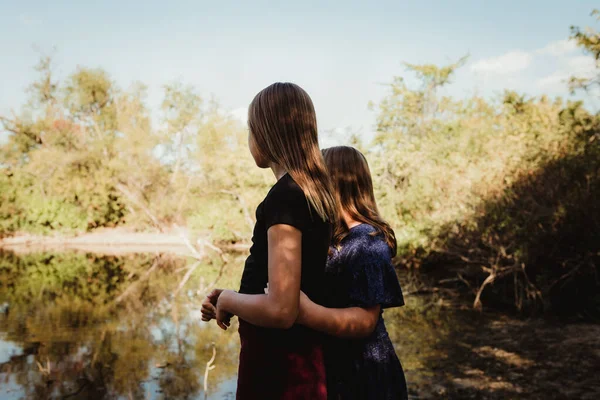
(277, 364)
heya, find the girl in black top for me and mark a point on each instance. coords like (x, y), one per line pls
(279, 360)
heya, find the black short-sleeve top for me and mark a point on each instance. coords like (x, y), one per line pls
(286, 204)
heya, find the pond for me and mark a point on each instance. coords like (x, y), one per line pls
(84, 326)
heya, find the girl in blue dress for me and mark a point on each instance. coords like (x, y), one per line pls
(361, 282)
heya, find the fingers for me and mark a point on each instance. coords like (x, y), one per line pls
(208, 312)
(208, 308)
(222, 325)
(214, 294)
(227, 321)
(207, 317)
(223, 319)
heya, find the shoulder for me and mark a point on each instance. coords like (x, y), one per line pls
(286, 204)
(286, 190)
(373, 279)
(365, 243)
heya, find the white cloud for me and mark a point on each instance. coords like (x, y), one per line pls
(551, 68)
(567, 63)
(579, 66)
(553, 82)
(508, 63)
(558, 48)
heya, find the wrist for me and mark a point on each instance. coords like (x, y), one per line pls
(223, 302)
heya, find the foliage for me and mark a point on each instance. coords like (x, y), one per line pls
(493, 192)
(496, 193)
(86, 154)
(589, 40)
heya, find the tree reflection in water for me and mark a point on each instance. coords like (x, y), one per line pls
(63, 336)
(82, 326)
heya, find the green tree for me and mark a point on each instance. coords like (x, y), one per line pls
(85, 153)
(589, 40)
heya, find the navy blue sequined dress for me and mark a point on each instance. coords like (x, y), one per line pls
(361, 274)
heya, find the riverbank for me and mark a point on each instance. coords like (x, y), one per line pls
(111, 241)
(498, 356)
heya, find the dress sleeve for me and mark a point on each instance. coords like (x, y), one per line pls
(373, 277)
(288, 207)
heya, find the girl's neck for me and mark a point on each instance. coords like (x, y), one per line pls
(278, 170)
(350, 222)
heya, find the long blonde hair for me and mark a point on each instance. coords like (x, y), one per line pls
(353, 188)
(283, 124)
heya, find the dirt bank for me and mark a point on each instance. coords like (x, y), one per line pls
(497, 357)
(109, 241)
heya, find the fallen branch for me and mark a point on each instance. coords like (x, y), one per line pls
(463, 280)
(209, 367)
(125, 191)
(567, 275)
(494, 273)
(211, 246)
(186, 241)
(533, 289)
(199, 255)
(490, 279)
(463, 258)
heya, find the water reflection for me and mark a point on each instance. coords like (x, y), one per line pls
(83, 326)
(62, 335)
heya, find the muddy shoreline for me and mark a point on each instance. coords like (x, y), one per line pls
(110, 242)
(498, 356)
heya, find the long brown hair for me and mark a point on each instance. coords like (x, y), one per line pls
(353, 190)
(283, 125)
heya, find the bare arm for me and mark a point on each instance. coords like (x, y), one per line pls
(352, 322)
(278, 308)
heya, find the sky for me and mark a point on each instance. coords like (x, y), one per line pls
(342, 52)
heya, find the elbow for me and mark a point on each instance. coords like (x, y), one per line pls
(357, 332)
(284, 318)
(370, 321)
(370, 328)
(360, 330)
(285, 323)
(369, 325)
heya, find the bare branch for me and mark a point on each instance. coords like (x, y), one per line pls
(186, 277)
(209, 367)
(123, 189)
